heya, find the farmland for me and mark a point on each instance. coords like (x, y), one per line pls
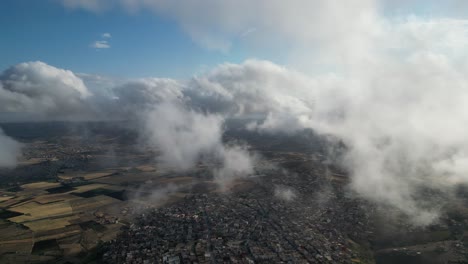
(67, 196)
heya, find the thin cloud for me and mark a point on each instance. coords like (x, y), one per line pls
(106, 35)
(248, 32)
(100, 44)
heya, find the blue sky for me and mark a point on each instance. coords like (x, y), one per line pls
(142, 44)
(145, 44)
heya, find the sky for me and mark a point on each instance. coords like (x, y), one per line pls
(147, 40)
(140, 44)
(386, 78)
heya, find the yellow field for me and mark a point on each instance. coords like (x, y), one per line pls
(84, 205)
(66, 177)
(5, 198)
(34, 211)
(119, 179)
(40, 185)
(57, 233)
(71, 249)
(59, 215)
(50, 224)
(31, 161)
(96, 175)
(16, 200)
(51, 198)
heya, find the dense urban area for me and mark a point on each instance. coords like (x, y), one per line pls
(89, 193)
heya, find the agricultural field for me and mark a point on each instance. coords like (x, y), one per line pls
(59, 204)
(72, 219)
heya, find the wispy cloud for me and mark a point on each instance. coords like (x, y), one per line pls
(103, 43)
(100, 44)
(248, 32)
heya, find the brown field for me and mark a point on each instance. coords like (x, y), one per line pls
(97, 175)
(5, 198)
(35, 211)
(9, 231)
(111, 233)
(57, 233)
(39, 185)
(71, 249)
(84, 205)
(14, 201)
(50, 224)
(146, 168)
(31, 161)
(124, 178)
(61, 216)
(17, 246)
(66, 177)
(25, 258)
(52, 198)
(93, 186)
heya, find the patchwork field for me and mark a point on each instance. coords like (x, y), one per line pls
(68, 194)
(71, 215)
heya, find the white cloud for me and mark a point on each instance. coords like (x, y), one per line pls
(396, 96)
(185, 137)
(90, 5)
(237, 162)
(41, 89)
(214, 24)
(106, 35)
(402, 118)
(100, 44)
(258, 87)
(182, 134)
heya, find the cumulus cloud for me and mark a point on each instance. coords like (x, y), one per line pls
(41, 89)
(134, 95)
(283, 96)
(396, 92)
(402, 121)
(10, 150)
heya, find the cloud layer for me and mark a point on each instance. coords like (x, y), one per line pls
(42, 90)
(392, 88)
(403, 122)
